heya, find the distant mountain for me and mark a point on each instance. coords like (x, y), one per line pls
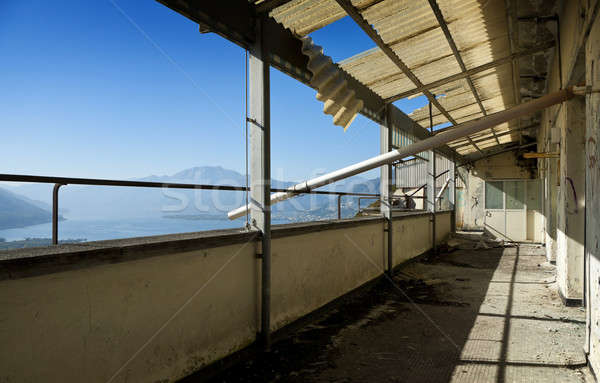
(114, 202)
(19, 211)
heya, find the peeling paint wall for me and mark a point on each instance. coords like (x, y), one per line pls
(592, 173)
(570, 210)
(574, 17)
(572, 203)
(562, 130)
(160, 318)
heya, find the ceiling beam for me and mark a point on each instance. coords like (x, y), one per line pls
(479, 140)
(470, 72)
(268, 5)
(513, 38)
(372, 33)
(505, 148)
(440, 19)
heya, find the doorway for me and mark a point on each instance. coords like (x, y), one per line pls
(506, 210)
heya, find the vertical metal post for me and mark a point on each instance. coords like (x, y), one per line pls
(339, 201)
(55, 213)
(260, 169)
(431, 180)
(385, 186)
(452, 195)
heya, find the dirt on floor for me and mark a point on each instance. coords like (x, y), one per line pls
(471, 315)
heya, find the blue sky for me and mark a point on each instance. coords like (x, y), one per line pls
(85, 94)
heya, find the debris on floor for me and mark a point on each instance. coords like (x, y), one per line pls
(474, 240)
(489, 315)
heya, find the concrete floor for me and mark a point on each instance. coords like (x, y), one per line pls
(465, 316)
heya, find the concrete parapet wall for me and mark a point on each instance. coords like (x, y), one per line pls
(159, 308)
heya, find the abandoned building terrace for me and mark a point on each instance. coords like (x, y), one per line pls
(479, 262)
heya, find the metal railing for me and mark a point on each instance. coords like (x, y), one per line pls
(63, 181)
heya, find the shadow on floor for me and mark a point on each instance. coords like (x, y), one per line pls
(466, 316)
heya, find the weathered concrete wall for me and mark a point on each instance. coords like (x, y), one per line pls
(580, 53)
(171, 314)
(571, 201)
(592, 171)
(471, 206)
(312, 269)
(575, 18)
(413, 237)
(104, 312)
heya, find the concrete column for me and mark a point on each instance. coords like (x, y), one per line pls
(260, 168)
(430, 200)
(570, 217)
(385, 186)
(550, 196)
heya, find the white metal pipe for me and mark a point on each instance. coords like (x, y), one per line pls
(442, 190)
(440, 139)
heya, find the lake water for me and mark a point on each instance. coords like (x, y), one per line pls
(101, 229)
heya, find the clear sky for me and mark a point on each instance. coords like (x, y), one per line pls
(85, 93)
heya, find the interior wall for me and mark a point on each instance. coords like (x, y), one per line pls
(562, 131)
(535, 214)
(165, 315)
(570, 210)
(470, 203)
(592, 217)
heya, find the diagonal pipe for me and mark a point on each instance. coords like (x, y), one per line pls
(457, 132)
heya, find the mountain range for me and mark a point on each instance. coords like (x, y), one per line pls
(20, 211)
(100, 202)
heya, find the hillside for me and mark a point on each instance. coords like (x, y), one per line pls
(16, 211)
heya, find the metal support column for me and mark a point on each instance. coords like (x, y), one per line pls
(385, 187)
(452, 195)
(55, 213)
(431, 178)
(430, 200)
(260, 169)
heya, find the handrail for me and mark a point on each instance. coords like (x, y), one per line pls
(152, 184)
(63, 181)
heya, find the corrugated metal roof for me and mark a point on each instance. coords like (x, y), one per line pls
(413, 173)
(305, 16)
(411, 29)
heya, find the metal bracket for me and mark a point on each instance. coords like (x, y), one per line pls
(253, 121)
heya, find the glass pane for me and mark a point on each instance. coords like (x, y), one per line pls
(533, 195)
(493, 195)
(515, 194)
